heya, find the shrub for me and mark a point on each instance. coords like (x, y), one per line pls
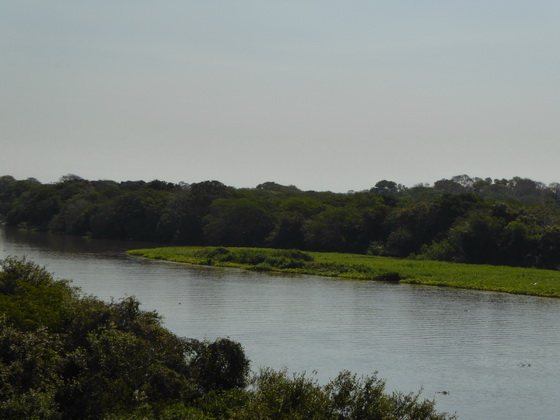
(64, 356)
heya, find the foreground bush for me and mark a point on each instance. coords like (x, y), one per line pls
(275, 395)
(64, 356)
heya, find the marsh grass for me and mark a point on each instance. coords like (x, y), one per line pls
(528, 281)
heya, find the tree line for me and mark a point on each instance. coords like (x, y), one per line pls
(462, 219)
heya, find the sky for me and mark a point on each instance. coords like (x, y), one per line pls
(321, 94)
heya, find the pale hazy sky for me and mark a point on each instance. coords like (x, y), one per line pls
(322, 94)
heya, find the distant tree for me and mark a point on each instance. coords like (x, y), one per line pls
(464, 180)
(410, 227)
(132, 185)
(36, 207)
(387, 187)
(184, 185)
(5, 182)
(305, 206)
(517, 246)
(158, 185)
(452, 207)
(526, 190)
(74, 216)
(182, 220)
(6, 193)
(289, 231)
(477, 239)
(70, 178)
(273, 186)
(335, 229)
(237, 222)
(448, 186)
(203, 193)
(133, 215)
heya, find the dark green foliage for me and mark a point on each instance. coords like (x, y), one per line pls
(390, 276)
(183, 220)
(290, 259)
(220, 365)
(302, 398)
(335, 229)
(64, 356)
(273, 186)
(29, 373)
(133, 215)
(462, 219)
(274, 395)
(385, 187)
(289, 231)
(237, 221)
(31, 297)
(548, 248)
(277, 258)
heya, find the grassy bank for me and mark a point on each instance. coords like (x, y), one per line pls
(480, 277)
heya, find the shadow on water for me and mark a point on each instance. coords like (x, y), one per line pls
(68, 244)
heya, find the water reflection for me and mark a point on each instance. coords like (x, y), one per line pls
(475, 346)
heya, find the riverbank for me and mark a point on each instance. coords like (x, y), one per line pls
(527, 281)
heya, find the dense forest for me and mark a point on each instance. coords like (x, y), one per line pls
(66, 356)
(473, 220)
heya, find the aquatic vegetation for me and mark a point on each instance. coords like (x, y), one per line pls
(507, 279)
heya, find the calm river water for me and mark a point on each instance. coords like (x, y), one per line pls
(496, 356)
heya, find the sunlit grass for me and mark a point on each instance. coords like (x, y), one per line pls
(527, 281)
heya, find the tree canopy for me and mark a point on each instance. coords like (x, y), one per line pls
(461, 219)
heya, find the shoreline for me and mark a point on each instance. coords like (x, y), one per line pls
(505, 279)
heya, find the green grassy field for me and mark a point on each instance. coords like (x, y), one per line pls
(526, 281)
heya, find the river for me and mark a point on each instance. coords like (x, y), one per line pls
(482, 355)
